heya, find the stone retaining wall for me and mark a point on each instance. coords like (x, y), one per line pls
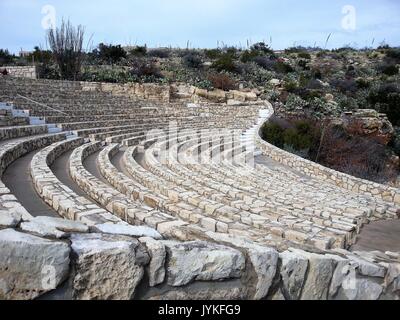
(315, 170)
(96, 263)
(21, 71)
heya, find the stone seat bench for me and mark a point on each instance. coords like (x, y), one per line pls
(119, 204)
(21, 131)
(211, 208)
(70, 126)
(131, 188)
(373, 208)
(200, 185)
(61, 198)
(11, 210)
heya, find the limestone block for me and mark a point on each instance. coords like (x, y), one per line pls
(29, 265)
(201, 261)
(106, 267)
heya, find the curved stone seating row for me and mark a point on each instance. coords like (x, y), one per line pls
(302, 192)
(184, 211)
(70, 126)
(62, 199)
(376, 204)
(11, 210)
(209, 186)
(218, 217)
(335, 263)
(21, 131)
(119, 204)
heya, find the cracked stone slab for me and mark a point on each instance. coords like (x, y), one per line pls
(106, 266)
(127, 230)
(156, 267)
(30, 266)
(202, 261)
(9, 218)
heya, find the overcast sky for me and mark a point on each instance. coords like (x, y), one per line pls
(204, 22)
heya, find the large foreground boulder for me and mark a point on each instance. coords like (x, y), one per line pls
(29, 265)
(106, 267)
(201, 261)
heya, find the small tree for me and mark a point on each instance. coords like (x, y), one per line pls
(66, 45)
(5, 57)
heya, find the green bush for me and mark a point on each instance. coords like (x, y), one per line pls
(109, 54)
(5, 57)
(393, 53)
(192, 60)
(139, 51)
(225, 63)
(283, 67)
(302, 136)
(390, 70)
(40, 56)
(386, 99)
(273, 133)
(212, 53)
(304, 55)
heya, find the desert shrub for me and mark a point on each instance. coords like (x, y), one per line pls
(205, 84)
(356, 155)
(294, 102)
(303, 64)
(296, 49)
(317, 74)
(283, 67)
(66, 45)
(298, 136)
(249, 55)
(252, 74)
(192, 60)
(304, 55)
(322, 53)
(262, 47)
(350, 72)
(109, 54)
(139, 51)
(212, 53)
(48, 71)
(363, 83)
(106, 75)
(5, 57)
(40, 56)
(345, 86)
(258, 50)
(386, 99)
(222, 81)
(290, 85)
(225, 63)
(265, 62)
(162, 53)
(393, 53)
(346, 103)
(273, 133)
(388, 69)
(145, 70)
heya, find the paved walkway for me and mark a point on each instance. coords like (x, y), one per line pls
(60, 170)
(379, 236)
(90, 164)
(18, 179)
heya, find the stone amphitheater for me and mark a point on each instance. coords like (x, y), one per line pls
(153, 192)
